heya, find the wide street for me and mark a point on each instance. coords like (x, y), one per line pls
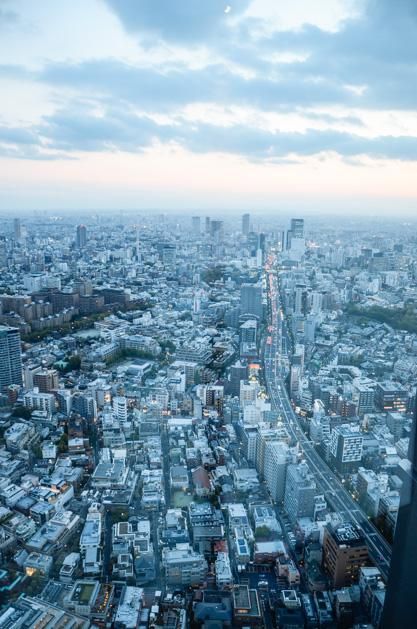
(336, 495)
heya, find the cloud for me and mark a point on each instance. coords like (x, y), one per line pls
(73, 131)
(7, 17)
(369, 63)
(27, 143)
(257, 144)
(17, 135)
(177, 20)
(14, 71)
(77, 130)
(376, 50)
(168, 88)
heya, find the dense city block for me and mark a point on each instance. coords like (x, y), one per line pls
(204, 423)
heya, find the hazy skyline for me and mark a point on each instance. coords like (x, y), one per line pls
(239, 104)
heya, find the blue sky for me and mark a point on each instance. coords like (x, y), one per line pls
(189, 104)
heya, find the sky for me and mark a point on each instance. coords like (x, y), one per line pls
(226, 105)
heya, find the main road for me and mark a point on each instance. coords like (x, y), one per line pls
(336, 495)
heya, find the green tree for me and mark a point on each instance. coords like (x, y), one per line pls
(22, 411)
(74, 363)
(262, 532)
(168, 346)
(37, 450)
(63, 443)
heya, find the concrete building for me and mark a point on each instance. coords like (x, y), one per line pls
(10, 357)
(251, 300)
(120, 408)
(46, 380)
(344, 553)
(30, 613)
(36, 401)
(276, 459)
(81, 236)
(129, 608)
(346, 446)
(38, 564)
(247, 609)
(245, 224)
(300, 490)
(183, 566)
(196, 224)
(389, 396)
(224, 576)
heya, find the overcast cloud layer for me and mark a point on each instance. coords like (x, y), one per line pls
(208, 77)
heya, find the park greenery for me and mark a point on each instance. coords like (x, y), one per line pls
(398, 318)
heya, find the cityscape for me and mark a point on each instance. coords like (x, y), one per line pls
(204, 422)
(208, 314)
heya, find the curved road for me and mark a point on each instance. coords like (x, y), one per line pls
(336, 495)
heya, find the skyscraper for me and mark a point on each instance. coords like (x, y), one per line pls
(400, 608)
(295, 239)
(81, 236)
(277, 457)
(245, 224)
(10, 357)
(3, 252)
(217, 231)
(167, 252)
(297, 227)
(196, 224)
(300, 489)
(251, 300)
(17, 229)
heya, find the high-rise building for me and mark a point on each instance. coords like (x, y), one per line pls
(276, 459)
(3, 252)
(196, 224)
(245, 224)
(346, 446)
(344, 553)
(400, 608)
(217, 231)
(295, 381)
(248, 392)
(251, 300)
(168, 253)
(300, 490)
(390, 396)
(64, 399)
(36, 401)
(238, 372)
(46, 380)
(248, 331)
(10, 357)
(17, 229)
(84, 405)
(249, 437)
(316, 302)
(297, 227)
(120, 408)
(295, 239)
(81, 236)
(264, 435)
